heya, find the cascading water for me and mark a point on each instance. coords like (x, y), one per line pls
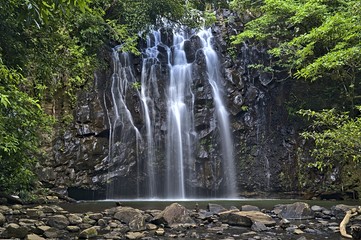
(121, 122)
(214, 78)
(169, 164)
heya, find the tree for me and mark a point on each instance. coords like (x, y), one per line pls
(317, 42)
(21, 122)
(49, 50)
(336, 136)
(311, 40)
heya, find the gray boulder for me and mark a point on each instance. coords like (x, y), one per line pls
(246, 218)
(215, 208)
(13, 230)
(173, 214)
(297, 210)
(2, 219)
(88, 233)
(133, 217)
(58, 221)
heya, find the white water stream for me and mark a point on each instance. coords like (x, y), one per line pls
(179, 138)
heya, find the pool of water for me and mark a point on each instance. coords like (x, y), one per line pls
(98, 206)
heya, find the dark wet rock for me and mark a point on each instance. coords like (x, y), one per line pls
(88, 220)
(52, 233)
(13, 230)
(340, 210)
(85, 225)
(356, 231)
(102, 222)
(88, 233)
(95, 216)
(284, 223)
(2, 219)
(41, 229)
(246, 218)
(173, 214)
(297, 210)
(58, 221)
(259, 227)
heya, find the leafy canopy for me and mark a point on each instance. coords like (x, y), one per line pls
(312, 39)
(316, 40)
(336, 136)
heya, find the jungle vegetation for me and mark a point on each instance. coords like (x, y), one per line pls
(50, 48)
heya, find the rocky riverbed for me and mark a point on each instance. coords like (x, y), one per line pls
(298, 221)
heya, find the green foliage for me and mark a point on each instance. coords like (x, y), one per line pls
(136, 85)
(21, 122)
(336, 136)
(49, 50)
(318, 41)
(311, 39)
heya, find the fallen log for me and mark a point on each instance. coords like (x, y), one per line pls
(345, 221)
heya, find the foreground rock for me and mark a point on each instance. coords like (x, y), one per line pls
(297, 210)
(175, 221)
(173, 214)
(246, 218)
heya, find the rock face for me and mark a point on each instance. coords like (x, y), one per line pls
(265, 138)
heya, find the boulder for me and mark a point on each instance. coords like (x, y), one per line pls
(88, 233)
(173, 214)
(41, 229)
(297, 210)
(34, 237)
(233, 218)
(96, 216)
(58, 221)
(135, 235)
(52, 233)
(246, 218)
(339, 210)
(2, 219)
(259, 227)
(13, 230)
(133, 217)
(75, 219)
(215, 208)
(73, 228)
(113, 235)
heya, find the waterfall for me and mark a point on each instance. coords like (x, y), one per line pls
(121, 124)
(214, 78)
(173, 83)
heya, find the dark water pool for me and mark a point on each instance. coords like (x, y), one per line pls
(97, 206)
